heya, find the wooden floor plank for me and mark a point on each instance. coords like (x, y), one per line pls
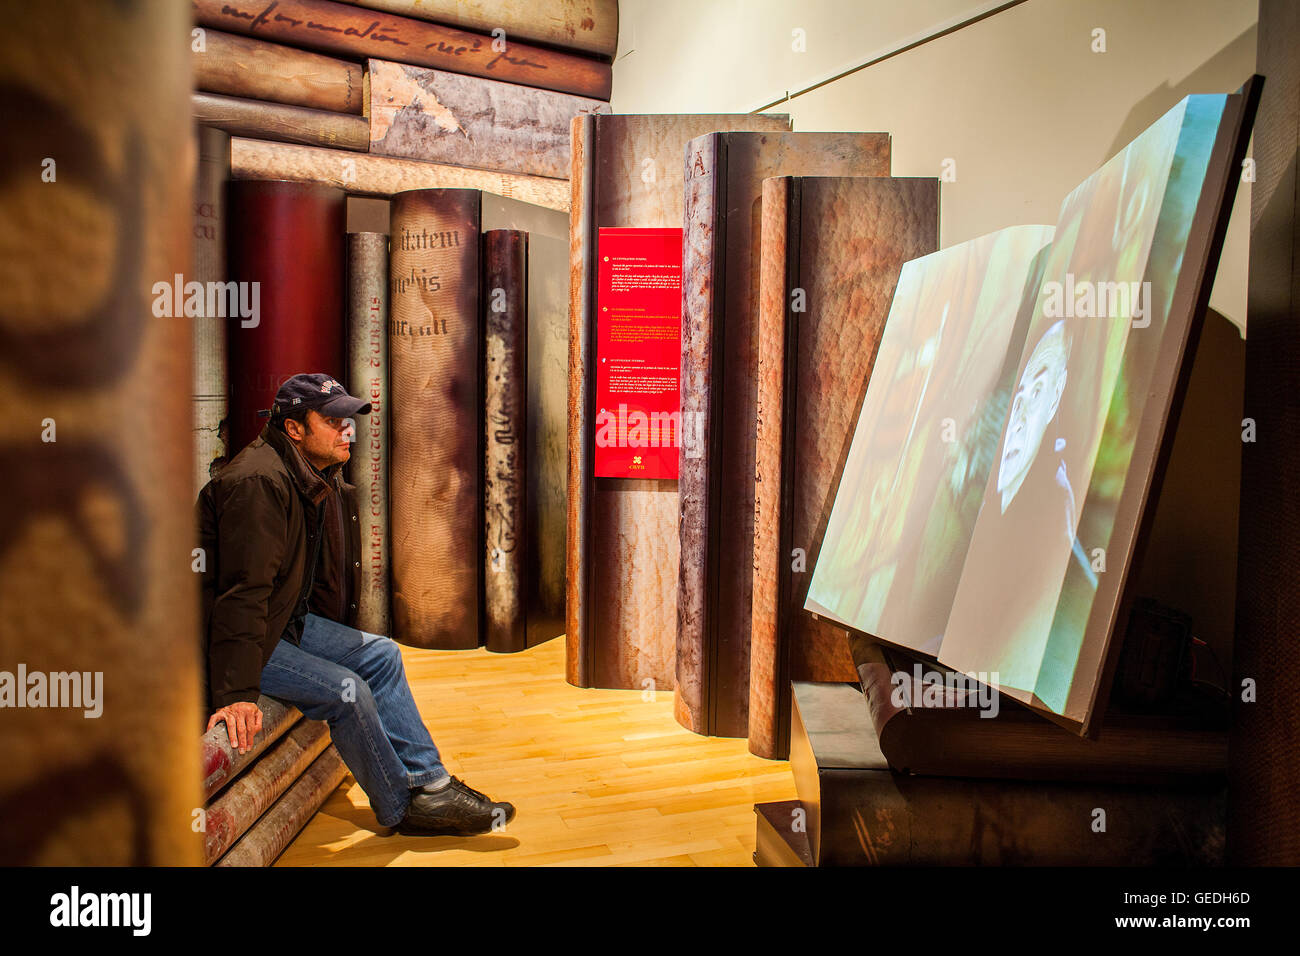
(599, 777)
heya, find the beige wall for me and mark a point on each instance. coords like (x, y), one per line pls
(1017, 100)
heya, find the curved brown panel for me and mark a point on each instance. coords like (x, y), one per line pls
(724, 173)
(843, 241)
(1264, 803)
(623, 543)
(778, 260)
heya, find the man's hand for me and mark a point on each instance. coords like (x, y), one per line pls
(243, 723)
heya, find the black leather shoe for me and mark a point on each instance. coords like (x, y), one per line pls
(456, 810)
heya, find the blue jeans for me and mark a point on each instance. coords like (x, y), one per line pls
(355, 682)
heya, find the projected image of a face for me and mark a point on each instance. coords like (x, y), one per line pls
(1034, 405)
(989, 475)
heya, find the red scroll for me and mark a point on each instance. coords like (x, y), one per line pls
(286, 259)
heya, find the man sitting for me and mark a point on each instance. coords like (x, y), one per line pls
(279, 528)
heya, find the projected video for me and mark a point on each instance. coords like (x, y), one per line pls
(977, 512)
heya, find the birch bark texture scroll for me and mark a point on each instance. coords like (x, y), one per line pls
(231, 815)
(269, 837)
(348, 30)
(622, 536)
(724, 173)
(99, 678)
(446, 117)
(220, 764)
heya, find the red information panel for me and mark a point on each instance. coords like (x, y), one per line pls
(638, 353)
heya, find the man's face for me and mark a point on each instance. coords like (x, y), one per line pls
(325, 442)
(1038, 396)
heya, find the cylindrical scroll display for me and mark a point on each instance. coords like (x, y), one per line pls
(367, 254)
(505, 291)
(436, 424)
(286, 260)
(267, 838)
(230, 815)
(211, 387)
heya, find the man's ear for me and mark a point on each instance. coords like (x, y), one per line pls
(293, 429)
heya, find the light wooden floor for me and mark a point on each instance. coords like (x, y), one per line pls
(598, 777)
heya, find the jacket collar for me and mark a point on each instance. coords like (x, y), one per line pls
(311, 483)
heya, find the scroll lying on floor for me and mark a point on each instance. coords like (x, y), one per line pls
(1014, 503)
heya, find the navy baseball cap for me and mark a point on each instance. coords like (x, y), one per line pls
(318, 391)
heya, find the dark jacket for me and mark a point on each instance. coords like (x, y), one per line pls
(260, 526)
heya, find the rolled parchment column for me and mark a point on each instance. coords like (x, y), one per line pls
(211, 382)
(505, 300)
(367, 264)
(435, 350)
(99, 635)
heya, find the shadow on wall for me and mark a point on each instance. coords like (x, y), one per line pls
(1218, 74)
